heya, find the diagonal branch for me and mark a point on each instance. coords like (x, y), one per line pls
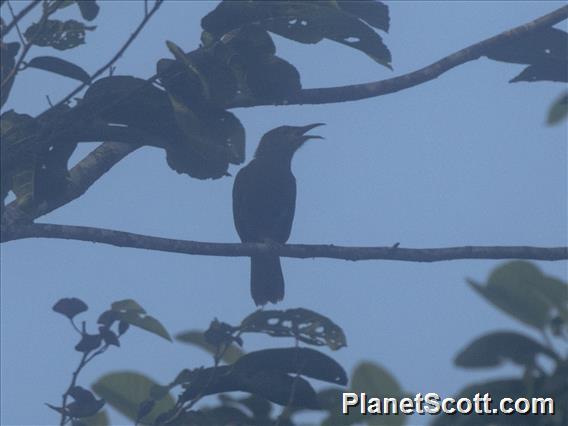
(81, 177)
(19, 17)
(383, 87)
(300, 251)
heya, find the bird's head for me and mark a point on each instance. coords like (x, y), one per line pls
(284, 141)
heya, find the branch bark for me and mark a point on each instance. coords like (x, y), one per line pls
(81, 177)
(299, 251)
(383, 87)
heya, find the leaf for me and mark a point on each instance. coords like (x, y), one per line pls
(273, 385)
(57, 34)
(147, 323)
(211, 139)
(492, 349)
(89, 9)
(558, 110)
(375, 13)
(70, 307)
(273, 78)
(84, 405)
(302, 21)
(18, 134)
(194, 337)
(373, 379)
(544, 51)
(125, 390)
(303, 324)
(515, 288)
(214, 81)
(132, 102)
(7, 62)
(88, 343)
(546, 71)
(304, 361)
(61, 67)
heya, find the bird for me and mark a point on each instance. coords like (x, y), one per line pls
(264, 203)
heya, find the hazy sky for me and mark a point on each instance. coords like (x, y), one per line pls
(462, 160)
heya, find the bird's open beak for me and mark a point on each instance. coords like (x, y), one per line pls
(309, 127)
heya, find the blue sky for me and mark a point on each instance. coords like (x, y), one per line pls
(462, 160)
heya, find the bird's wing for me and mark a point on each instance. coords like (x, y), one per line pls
(263, 204)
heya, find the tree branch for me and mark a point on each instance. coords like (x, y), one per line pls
(117, 55)
(383, 87)
(81, 177)
(19, 16)
(300, 251)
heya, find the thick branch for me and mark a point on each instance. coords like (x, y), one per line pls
(301, 251)
(81, 177)
(377, 88)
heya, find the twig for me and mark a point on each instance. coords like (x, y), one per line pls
(19, 17)
(21, 37)
(126, 45)
(383, 87)
(299, 251)
(47, 12)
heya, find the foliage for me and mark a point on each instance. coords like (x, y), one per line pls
(184, 110)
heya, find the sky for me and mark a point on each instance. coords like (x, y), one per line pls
(465, 159)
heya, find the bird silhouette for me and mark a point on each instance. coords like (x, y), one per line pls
(264, 202)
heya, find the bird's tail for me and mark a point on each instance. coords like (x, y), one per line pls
(266, 279)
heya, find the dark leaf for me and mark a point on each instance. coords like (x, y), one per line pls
(546, 52)
(88, 343)
(273, 78)
(132, 313)
(532, 48)
(57, 34)
(558, 110)
(109, 337)
(107, 318)
(252, 42)
(212, 79)
(494, 348)
(194, 337)
(302, 324)
(273, 385)
(61, 67)
(89, 9)
(211, 139)
(545, 71)
(124, 391)
(122, 327)
(305, 22)
(7, 63)
(70, 307)
(85, 404)
(303, 361)
(18, 133)
(375, 13)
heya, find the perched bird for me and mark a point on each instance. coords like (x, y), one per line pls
(264, 201)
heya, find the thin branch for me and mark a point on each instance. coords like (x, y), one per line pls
(19, 17)
(116, 57)
(299, 251)
(20, 36)
(47, 12)
(383, 87)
